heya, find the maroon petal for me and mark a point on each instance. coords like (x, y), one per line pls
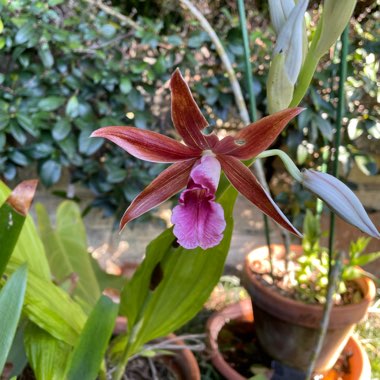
(246, 183)
(256, 137)
(186, 115)
(147, 145)
(168, 183)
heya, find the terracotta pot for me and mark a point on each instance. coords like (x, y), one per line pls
(183, 363)
(358, 362)
(288, 329)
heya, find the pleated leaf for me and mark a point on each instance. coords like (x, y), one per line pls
(46, 355)
(12, 217)
(29, 247)
(172, 284)
(11, 301)
(51, 308)
(89, 352)
(66, 250)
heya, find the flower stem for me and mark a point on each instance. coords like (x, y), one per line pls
(118, 374)
(287, 161)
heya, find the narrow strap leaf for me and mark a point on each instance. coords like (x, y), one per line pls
(11, 301)
(12, 217)
(89, 351)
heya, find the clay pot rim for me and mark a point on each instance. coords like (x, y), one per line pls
(277, 304)
(243, 311)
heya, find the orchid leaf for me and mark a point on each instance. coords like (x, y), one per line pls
(365, 259)
(66, 250)
(11, 301)
(93, 341)
(29, 247)
(154, 289)
(12, 217)
(46, 355)
(50, 307)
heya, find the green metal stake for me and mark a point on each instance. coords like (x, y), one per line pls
(334, 270)
(339, 116)
(252, 104)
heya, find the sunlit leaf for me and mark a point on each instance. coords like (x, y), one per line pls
(11, 301)
(29, 247)
(66, 249)
(50, 307)
(93, 341)
(46, 355)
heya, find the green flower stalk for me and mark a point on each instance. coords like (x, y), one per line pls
(336, 14)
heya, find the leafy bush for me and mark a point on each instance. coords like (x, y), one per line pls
(69, 68)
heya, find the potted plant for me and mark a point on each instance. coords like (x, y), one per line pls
(51, 331)
(241, 314)
(288, 303)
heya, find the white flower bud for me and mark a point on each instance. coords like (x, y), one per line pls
(279, 12)
(340, 199)
(290, 41)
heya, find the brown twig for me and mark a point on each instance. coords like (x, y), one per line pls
(112, 12)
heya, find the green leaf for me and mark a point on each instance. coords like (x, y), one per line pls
(11, 301)
(367, 258)
(87, 145)
(154, 290)
(1, 26)
(61, 129)
(26, 122)
(66, 249)
(46, 56)
(366, 164)
(25, 33)
(324, 127)
(93, 341)
(108, 30)
(51, 103)
(50, 307)
(4, 121)
(72, 107)
(125, 85)
(46, 355)
(50, 172)
(12, 217)
(29, 247)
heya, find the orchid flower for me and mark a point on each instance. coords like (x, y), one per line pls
(196, 164)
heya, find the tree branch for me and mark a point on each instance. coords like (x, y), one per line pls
(112, 12)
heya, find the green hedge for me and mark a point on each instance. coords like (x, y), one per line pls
(68, 68)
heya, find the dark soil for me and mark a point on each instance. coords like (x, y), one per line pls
(141, 369)
(239, 346)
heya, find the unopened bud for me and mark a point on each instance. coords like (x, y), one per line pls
(336, 14)
(340, 199)
(279, 12)
(290, 41)
(279, 88)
